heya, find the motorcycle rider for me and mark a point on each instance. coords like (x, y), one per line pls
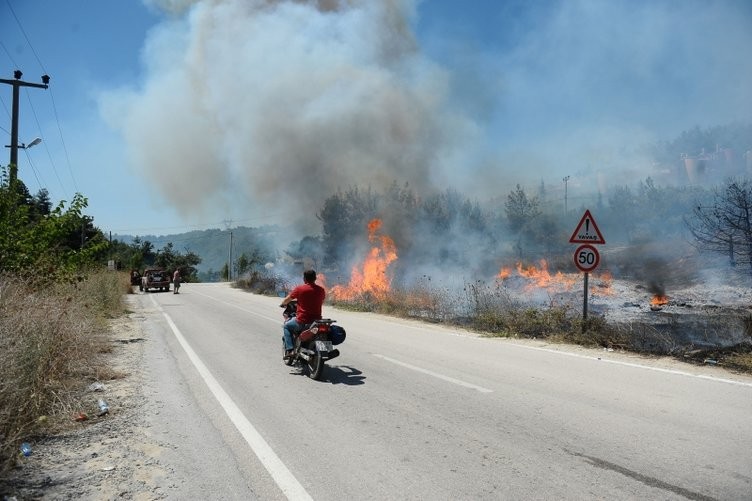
(310, 297)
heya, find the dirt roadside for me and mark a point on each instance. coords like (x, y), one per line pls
(109, 457)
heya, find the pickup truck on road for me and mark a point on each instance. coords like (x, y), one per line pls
(155, 279)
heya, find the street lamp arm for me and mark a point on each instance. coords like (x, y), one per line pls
(24, 146)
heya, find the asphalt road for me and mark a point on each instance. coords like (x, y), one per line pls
(419, 411)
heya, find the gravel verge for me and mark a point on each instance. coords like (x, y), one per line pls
(113, 456)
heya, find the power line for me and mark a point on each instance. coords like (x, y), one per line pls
(52, 97)
(44, 142)
(7, 111)
(8, 54)
(33, 169)
(25, 36)
(62, 140)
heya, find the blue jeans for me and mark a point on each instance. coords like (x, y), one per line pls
(288, 329)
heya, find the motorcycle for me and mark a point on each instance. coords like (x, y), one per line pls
(314, 345)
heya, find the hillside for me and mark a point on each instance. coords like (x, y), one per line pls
(213, 245)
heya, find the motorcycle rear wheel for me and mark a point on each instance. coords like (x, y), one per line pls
(315, 366)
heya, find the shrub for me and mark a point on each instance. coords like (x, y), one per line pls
(261, 282)
(51, 337)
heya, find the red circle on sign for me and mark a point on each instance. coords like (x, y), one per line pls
(586, 258)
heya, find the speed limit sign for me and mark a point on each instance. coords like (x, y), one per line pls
(586, 258)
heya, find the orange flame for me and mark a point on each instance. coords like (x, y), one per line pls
(372, 276)
(504, 273)
(659, 300)
(540, 277)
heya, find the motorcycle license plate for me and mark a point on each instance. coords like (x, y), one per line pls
(323, 346)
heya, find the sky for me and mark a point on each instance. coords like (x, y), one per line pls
(175, 115)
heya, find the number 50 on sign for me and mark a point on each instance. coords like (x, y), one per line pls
(586, 258)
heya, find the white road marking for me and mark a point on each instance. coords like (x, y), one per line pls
(276, 468)
(637, 366)
(435, 374)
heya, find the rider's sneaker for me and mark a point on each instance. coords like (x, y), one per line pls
(288, 355)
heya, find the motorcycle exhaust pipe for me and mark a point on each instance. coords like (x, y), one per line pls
(306, 354)
(328, 355)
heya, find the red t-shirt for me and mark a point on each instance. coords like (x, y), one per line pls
(310, 298)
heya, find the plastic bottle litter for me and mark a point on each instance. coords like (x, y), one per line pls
(103, 407)
(96, 387)
(26, 449)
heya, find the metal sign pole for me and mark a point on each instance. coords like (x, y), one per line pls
(584, 303)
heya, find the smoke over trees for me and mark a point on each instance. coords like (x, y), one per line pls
(448, 232)
(735, 137)
(439, 231)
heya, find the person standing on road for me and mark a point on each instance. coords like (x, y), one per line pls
(310, 297)
(176, 281)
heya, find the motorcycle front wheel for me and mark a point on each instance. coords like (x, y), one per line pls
(316, 366)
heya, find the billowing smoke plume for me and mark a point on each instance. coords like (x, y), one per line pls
(271, 106)
(257, 108)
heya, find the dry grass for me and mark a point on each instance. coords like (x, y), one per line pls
(737, 358)
(492, 310)
(260, 283)
(51, 337)
(739, 361)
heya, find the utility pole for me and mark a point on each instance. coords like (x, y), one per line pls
(229, 262)
(17, 84)
(566, 178)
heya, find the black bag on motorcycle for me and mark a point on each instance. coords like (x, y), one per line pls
(337, 334)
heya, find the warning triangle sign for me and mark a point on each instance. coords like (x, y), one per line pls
(587, 231)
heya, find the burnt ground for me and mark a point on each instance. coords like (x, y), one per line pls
(704, 316)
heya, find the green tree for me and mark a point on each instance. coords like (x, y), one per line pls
(308, 248)
(521, 210)
(57, 241)
(344, 217)
(168, 258)
(521, 213)
(242, 265)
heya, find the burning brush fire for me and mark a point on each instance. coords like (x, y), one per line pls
(372, 276)
(538, 277)
(659, 300)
